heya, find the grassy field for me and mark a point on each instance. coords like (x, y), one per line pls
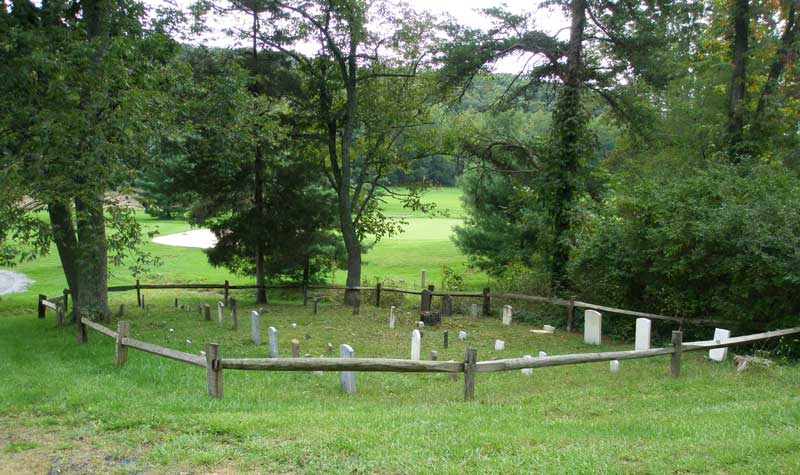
(65, 408)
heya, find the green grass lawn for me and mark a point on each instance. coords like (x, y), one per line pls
(64, 408)
(65, 404)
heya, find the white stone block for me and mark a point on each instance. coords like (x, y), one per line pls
(416, 345)
(592, 327)
(549, 328)
(462, 335)
(642, 334)
(499, 345)
(255, 332)
(719, 354)
(527, 371)
(347, 379)
(542, 354)
(508, 314)
(273, 342)
(392, 320)
(614, 364)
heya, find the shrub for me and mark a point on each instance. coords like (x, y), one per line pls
(718, 243)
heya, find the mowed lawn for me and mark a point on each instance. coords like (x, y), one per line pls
(65, 408)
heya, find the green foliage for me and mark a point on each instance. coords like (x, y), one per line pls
(721, 243)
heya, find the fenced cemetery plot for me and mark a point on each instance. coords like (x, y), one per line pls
(216, 364)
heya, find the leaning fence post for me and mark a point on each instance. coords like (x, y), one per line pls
(138, 294)
(227, 290)
(120, 349)
(486, 302)
(470, 361)
(570, 313)
(234, 315)
(378, 294)
(213, 371)
(40, 309)
(83, 335)
(675, 361)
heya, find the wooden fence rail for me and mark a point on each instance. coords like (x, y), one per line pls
(486, 295)
(215, 365)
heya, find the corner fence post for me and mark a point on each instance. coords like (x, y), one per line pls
(486, 302)
(213, 371)
(570, 314)
(470, 362)
(138, 293)
(40, 308)
(59, 315)
(675, 360)
(83, 334)
(66, 302)
(120, 350)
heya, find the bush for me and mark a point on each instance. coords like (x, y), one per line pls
(718, 243)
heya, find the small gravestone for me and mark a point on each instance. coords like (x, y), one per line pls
(255, 330)
(527, 371)
(719, 354)
(447, 305)
(614, 366)
(176, 303)
(220, 312)
(430, 318)
(416, 344)
(549, 328)
(426, 300)
(347, 378)
(188, 343)
(507, 314)
(592, 327)
(420, 324)
(445, 336)
(499, 345)
(294, 325)
(434, 355)
(462, 335)
(542, 354)
(121, 311)
(642, 334)
(207, 312)
(473, 311)
(199, 309)
(295, 348)
(273, 342)
(392, 320)
(330, 348)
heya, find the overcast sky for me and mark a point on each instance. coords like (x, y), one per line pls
(465, 11)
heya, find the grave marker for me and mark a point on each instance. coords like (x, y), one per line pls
(347, 378)
(273, 342)
(473, 311)
(416, 343)
(719, 354)
(462, 335)
(614, 364)
(392, 320)
(592, 327)
(255, 331)
(527, 371)
(499, 345)
(507, 314)
(220, 313)
(295, 348)
(642, 334)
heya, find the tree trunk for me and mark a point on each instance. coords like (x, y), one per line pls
(568, 129)
(66, 243)
(775, 71)
(92, 260)
(261, 292)
(736, 104)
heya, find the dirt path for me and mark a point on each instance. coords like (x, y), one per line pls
(12, 282)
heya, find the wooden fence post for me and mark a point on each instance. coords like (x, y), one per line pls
(234, 315)
(213, 371)
(138, 294)
(83, 334)
(378, 294)
(59, 315)
(176, 302)
(207, 312)
(470, 362)
(66, 301)
(570, 314)
(40, 309)
(675, 360)
(486, 302)
(120, 350)
(227, 291)
(425, 301)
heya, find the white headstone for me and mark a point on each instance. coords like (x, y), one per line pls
(614, 365)
(347, 378)
(549, 328)
(420, 324)
(719, 354)
(294, 325)
(592, 327)
(499, 345)
(273, 342)
(473, 311)
(462, 335)
(416, 344)
(527, 371)
(508, 313)
(255, 332)
(642, 334)
(542, 354)
(220, 312)
(392, 320)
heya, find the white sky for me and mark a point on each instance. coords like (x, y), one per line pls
(465, 11)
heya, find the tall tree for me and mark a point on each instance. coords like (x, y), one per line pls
(73, 126)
